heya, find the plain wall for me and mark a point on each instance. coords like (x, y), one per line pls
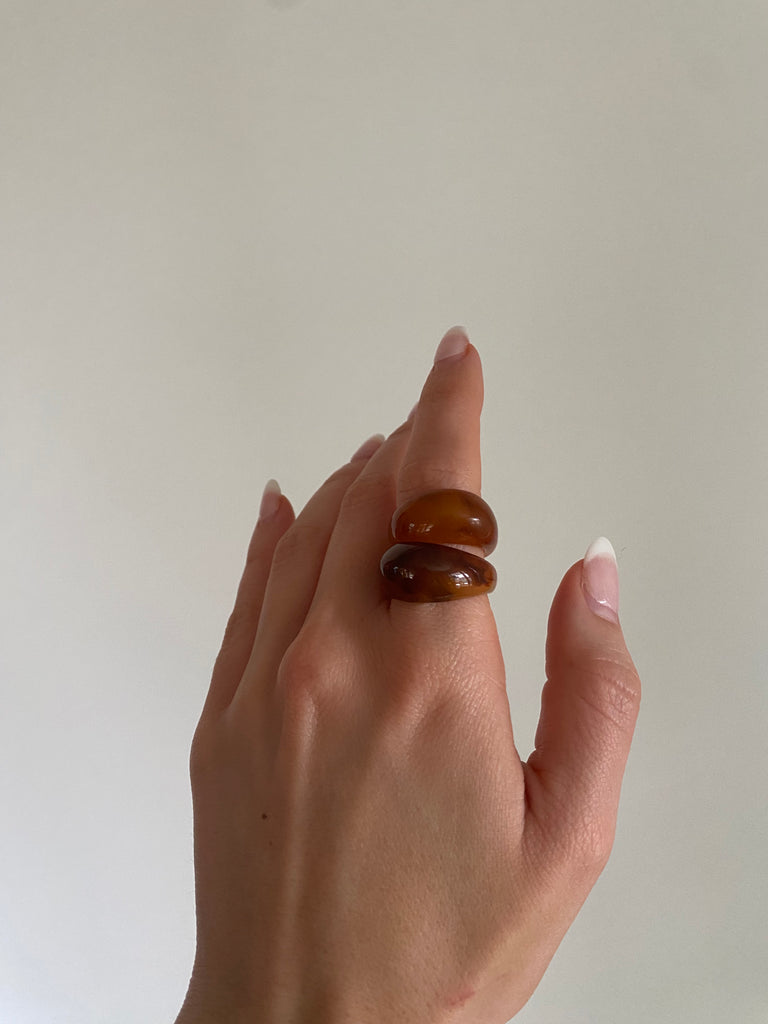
(231, 236)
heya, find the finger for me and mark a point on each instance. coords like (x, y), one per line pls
(589, 708)
(275, 517)
(445, 443)
(296, 566)
(443, 451)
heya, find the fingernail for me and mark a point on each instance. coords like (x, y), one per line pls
(367, 448)
(600, 579)
(453, 345)
(270, 500)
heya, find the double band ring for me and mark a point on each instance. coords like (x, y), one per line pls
(422, 566)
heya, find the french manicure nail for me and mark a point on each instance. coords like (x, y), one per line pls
(600, 579)
(270, 500)
(453, 344)
(367, 448)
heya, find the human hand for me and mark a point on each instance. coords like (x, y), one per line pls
(369, 845)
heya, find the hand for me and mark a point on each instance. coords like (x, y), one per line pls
(369, 846)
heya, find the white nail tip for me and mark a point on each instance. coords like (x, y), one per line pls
(600, 547)
(454, 343)
(270, 499)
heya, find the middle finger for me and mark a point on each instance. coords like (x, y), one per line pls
(443, 451)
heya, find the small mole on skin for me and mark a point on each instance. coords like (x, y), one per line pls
(263, 816)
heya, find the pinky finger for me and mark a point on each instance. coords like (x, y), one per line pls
(275, 516)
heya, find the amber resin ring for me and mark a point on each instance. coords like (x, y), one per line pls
(423, 566)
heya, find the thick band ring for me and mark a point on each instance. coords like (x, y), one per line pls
(421, 566)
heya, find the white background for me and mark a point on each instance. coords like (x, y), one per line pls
(231, 236)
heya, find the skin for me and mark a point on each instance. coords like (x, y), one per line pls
(369, 845)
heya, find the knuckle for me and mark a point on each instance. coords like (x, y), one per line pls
(581, 850)
(237, 622)
(614, 691)
(317, 675)
(298, 668)
(421, 476)
(293, 543)
(592, 847)
(344, 474)
(402, 429)
(202, 753)
(368, 490)
(307, 667)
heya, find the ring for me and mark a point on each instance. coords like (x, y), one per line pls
(422, 566)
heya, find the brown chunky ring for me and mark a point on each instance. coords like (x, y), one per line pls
(433, 572)
(446, 517)
(426, 569)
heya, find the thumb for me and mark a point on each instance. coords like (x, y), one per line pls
(589, 707)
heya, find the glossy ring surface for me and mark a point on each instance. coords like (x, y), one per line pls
(434, 572)
(423, 567)
(449, 516)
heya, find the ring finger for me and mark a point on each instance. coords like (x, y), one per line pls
(296, 566)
